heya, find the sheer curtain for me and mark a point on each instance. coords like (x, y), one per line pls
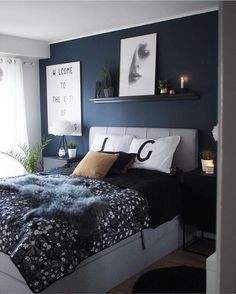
(13, 127)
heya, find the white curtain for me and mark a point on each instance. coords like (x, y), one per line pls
(13, 127)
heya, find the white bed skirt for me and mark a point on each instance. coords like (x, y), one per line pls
(106, 269)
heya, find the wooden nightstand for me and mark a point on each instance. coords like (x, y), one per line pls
(50, 162)
(199, 204)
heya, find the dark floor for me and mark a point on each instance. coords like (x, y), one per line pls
(176, 258)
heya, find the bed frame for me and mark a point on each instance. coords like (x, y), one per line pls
(108, 268)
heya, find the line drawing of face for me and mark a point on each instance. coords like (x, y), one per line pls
(141, 53)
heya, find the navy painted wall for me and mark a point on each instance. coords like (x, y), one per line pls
(185, 46)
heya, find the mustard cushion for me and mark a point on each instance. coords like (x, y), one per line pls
(95, 165)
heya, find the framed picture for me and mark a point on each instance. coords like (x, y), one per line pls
(138, 65)
(64, 94)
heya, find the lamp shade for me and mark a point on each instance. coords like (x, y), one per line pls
(215, 132)
(61, 128)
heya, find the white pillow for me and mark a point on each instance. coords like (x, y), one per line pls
(154, 154)
(115, 143)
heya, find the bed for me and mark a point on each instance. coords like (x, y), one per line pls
(109, 267)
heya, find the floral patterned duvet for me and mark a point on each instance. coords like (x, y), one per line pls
(47, 249)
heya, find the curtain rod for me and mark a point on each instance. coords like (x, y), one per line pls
(28, 62)
(10, 59)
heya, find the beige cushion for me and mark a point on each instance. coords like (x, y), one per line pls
(95, 165)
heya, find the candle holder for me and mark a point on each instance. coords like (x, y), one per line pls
(171, 92)
(209, 169)
(182, 85)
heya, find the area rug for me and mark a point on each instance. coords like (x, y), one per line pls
(179, 279)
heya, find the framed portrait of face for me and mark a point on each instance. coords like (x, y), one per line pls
(138, 65)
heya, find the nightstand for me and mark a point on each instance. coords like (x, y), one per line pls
(199, 204)
(50, 162)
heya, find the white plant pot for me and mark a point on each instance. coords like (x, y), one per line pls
(206, 162)
(71, 153)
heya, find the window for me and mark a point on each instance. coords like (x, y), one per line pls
(13, 128)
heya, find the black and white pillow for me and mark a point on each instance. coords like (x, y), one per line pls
(154, 154)
(115, 143)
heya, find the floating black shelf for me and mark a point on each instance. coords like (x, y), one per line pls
(147, 98)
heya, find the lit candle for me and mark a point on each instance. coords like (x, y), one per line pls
(182, 82)
(210, 168)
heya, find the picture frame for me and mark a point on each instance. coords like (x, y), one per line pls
(138, 65)
(64, 95)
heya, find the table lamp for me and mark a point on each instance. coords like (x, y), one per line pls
(62, 128)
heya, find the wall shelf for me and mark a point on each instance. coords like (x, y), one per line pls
(147, 98)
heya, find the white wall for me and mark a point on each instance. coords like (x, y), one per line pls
(32, 97)
(226, 201)
(24, 47)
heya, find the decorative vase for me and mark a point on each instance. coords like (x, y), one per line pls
(205, 163)
(72, 153)
(109, 92)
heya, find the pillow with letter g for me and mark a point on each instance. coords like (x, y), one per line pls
(154, 154)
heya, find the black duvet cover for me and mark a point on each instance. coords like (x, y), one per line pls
(162, 191)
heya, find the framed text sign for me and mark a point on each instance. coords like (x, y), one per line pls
(64, 94)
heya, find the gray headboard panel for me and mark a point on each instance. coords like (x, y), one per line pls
(186, 155)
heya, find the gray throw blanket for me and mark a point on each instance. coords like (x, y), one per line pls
(59, 197)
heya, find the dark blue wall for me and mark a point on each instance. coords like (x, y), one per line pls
(185, 46)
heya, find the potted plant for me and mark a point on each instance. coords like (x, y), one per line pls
(163, 86)
(29, 158)
(71, 146)
(107, 82)
(207, 158)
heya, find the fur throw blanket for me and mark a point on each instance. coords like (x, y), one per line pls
(58, 197)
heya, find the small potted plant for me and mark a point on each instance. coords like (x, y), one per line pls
(107, 82)
(71, 146)
(163, 86)
(207, 158)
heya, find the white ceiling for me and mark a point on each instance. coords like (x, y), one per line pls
(55, 21)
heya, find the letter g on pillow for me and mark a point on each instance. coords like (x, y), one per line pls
(154, 154)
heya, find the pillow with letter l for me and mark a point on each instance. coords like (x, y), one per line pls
(115, 143)
(154, 154)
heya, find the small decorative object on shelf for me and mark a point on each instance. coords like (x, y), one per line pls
(182, 89)
(172, 92)
(163, 86)
(209, 168)
(182, 82)
(107, 82)
(99, 89)
(71, 147)
(207, 159)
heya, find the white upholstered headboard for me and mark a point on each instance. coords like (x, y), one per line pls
(186, 155)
